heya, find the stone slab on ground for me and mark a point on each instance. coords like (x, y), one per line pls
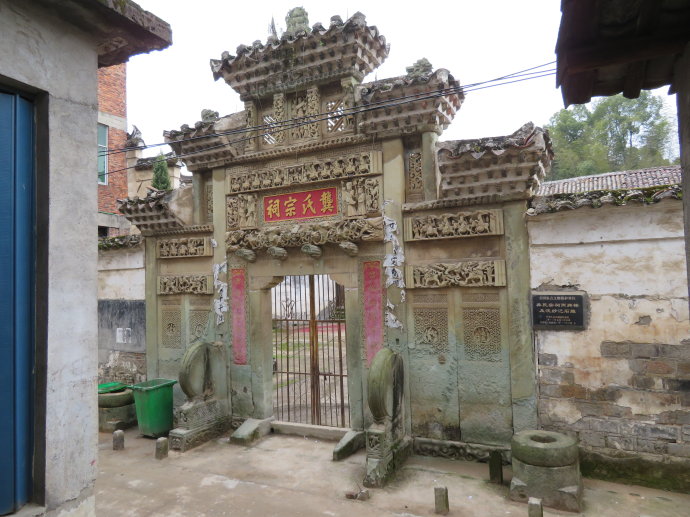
(287, 475)
(251, 430)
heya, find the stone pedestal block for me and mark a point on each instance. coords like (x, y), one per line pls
(113, 418)
(546, 466)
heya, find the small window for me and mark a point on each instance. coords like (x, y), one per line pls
(102, 154)
(102, 232)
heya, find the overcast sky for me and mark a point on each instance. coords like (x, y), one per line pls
(475, 40)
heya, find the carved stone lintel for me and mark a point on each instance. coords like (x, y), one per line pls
(311, 250)
(185, 284)
(320, 233)
(185, 247)
(454, 225)
(276, 252)
(246, 254)
(347, 166)
(350, 248)
(470, 273)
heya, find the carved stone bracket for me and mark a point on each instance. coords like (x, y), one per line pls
(185, 284)
(454, 225)
(185, 247)
(358, 164)
(469, 273)
(335, 232)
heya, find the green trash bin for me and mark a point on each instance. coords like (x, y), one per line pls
(153, 400)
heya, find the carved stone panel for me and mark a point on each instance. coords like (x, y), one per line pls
(197, 324)
(454, 225)
(415, 182)
(184, 247)
(346, 166)
(482, 334)
(352, 230)
(431, 328)
(171, 327)
(460, 274)
(240, 211)
(209, 202)
(361, 197)
(279, 115)
(185, 284)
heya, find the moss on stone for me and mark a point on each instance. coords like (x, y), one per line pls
(666, 474)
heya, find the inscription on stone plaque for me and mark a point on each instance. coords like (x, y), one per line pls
(558, 310)
(301, 205)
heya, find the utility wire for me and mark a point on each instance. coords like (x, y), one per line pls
(526, 73)
(271, 129)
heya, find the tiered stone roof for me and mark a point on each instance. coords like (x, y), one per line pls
(151, 213)
(405, 114)
(319, 55)
(493, 169)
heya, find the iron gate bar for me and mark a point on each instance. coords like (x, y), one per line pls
(313, 304)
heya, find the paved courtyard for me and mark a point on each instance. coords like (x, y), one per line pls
(288, 475)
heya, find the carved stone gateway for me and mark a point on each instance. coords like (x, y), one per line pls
(322, 174)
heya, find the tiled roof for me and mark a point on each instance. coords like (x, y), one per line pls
(623, 180)
(643, 186)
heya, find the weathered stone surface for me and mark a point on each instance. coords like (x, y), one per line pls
(251, 430)
(637, 468)
(441, 506)
(161, 448)
(557, 487)
(496, 467)
(534, 507)
(118, 440)
(349, 444)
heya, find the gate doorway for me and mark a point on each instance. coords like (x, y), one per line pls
(309, 352)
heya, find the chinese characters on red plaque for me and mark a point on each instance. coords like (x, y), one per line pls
(321, 202)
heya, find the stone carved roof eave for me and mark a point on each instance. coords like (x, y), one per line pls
(260, 70)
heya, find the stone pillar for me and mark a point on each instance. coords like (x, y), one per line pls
(260, 353)
(394, 191)
(521, 342)
(355, 369)
(198, 198)
(151, 283)
(681, 83)
(429, 165)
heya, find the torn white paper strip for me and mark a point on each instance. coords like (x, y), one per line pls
(220, 304)
(393, 322)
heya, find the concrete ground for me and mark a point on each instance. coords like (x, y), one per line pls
(287, 475)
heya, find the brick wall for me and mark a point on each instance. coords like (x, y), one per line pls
(622, 385)
(112, 84)
(112, 100)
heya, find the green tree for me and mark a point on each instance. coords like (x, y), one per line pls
(161, 178)
(610, 134)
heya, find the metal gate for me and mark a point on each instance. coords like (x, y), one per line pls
(309, 352)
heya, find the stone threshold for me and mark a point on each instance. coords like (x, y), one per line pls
(321, 432)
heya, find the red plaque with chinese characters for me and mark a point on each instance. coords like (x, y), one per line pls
(321, 202)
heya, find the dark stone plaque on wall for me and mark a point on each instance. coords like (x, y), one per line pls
(558, 310)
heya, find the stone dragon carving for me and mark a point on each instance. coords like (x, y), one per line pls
(319, 233)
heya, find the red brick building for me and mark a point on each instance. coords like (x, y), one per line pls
(112, 134)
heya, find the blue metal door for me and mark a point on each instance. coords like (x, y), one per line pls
(16, 299)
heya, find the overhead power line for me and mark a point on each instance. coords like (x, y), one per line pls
(528, 73)
(276, 127)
